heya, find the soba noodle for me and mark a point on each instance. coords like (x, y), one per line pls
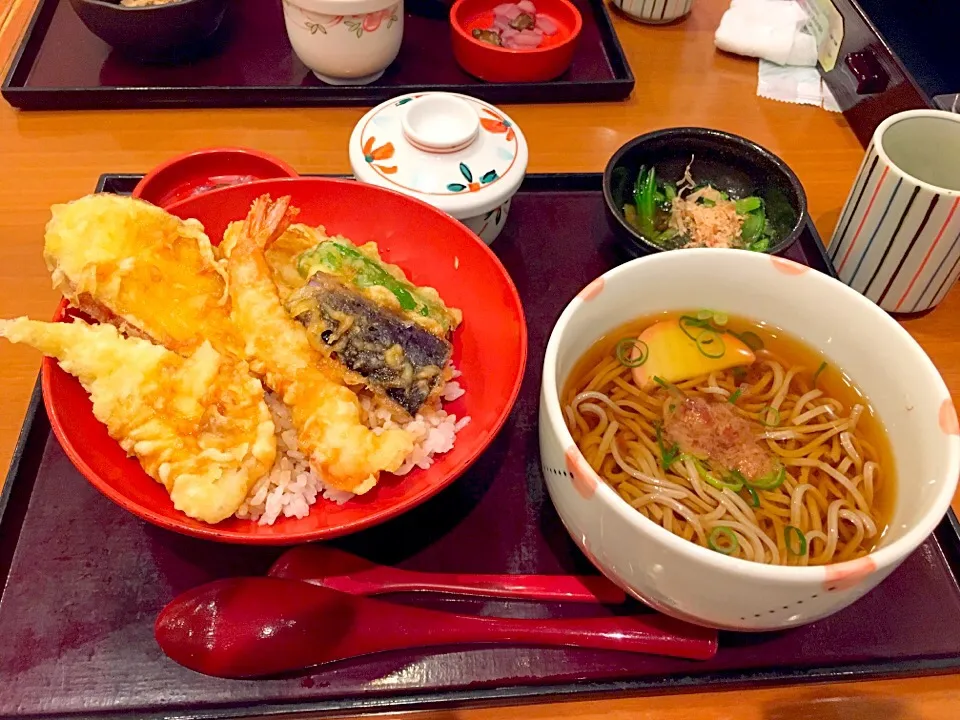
(823, 503)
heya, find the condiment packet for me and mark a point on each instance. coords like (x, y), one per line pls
(799, 85)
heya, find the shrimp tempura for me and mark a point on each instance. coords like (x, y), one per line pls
(197, 424)
(326, 414)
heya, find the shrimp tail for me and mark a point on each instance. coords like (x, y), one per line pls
(266, 222)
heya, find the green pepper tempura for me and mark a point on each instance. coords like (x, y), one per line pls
(369, 274)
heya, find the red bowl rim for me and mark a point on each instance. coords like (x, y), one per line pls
(458, 28)
(157, 170)
(57, 424)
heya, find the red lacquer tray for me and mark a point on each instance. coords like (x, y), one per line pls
(61, 65)
(84, 580)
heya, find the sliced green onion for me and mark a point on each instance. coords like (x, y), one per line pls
(720, 318)
(735, 395)
(624, 352)
(748, 204)
(754, 498)
(771, 482)
(816, 375)
(670, 387)
(667, 457)
(706, 202)
(724, 535)
(704, 314)
(793, 530)
(751, 340)
(711, 345)
(686, 321)
(765, 411)
(735, 485)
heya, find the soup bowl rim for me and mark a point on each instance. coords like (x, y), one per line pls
(883, 557)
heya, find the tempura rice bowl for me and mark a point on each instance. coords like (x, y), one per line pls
(433, 249)
(691, 582)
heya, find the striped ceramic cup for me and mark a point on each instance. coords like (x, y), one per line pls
(654, 11)
(898, 238)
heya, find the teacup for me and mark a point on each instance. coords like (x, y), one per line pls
(345, 42)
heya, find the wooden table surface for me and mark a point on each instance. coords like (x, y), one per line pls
(681, 80)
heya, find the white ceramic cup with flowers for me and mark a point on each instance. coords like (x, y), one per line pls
(345, 42)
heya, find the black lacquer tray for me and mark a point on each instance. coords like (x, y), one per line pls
(61, 65)
(84, 580)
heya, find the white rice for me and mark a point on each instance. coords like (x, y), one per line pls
(292, 487)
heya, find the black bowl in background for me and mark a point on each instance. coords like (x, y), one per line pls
(729, 162)
(157, 33)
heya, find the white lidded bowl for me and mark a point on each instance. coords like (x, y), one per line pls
(690, 582)
(345, 42)
(455, 152)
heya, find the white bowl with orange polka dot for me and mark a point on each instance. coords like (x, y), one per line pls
(686, 580)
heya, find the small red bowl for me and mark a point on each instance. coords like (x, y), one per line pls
(497, 64)
(204, 170)
(489, 349)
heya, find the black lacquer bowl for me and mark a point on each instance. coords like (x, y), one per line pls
(728, 162)
(155, 33)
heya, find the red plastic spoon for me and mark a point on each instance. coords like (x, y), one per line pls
(338, 570)
(248, 627)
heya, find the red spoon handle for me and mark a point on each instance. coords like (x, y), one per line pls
(559, 588)
(323, 566)
(654, 634)
(248, 627)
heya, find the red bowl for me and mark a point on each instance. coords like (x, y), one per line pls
(496, 64)
(204, 170)
(490, 350)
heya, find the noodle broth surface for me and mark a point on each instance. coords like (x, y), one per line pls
(836, 494)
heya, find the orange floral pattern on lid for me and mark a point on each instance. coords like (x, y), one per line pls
(372, 154)
(948, 418)
(584, 478)
(847, 575)
(788, 267)
(494, 155)
(592, 290)
(496, 124)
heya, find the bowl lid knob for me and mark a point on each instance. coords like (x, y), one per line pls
(440, 123)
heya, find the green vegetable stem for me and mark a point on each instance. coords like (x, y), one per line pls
(645, 199)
